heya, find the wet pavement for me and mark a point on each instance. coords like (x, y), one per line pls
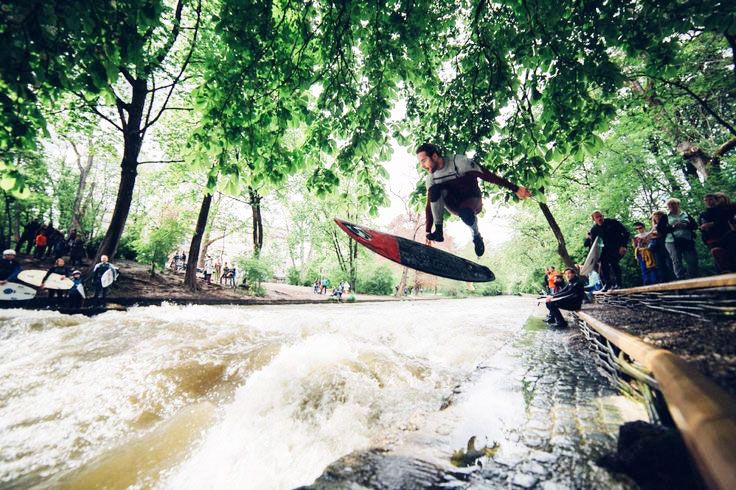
(538, 406)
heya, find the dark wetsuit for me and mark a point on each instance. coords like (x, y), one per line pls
(614, 236)
(569, 298)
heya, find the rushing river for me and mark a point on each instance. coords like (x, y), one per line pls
(240, 397)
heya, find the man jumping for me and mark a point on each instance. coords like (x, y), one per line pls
(452, 184)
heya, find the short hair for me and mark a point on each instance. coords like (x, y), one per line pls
(723, 197)
(638, 224)
(429, 149)
(659, 213)
(710, 195)
(571, 269)
(672, 200)
(597, 211)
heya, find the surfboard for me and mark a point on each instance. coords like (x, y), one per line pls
(108, 277)
(593, 257)
(12, 291)
(35, 276)
(416, 255)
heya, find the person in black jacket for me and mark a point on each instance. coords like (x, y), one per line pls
(569, 298)
(9, 267)
(615, 238)
(60, 268)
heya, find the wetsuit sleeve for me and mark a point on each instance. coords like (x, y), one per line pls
(14, 275)
(593, 233)
(496, 179)
(428, 215)
(50, 271)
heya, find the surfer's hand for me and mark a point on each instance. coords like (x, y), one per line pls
(42, 286)
(428, 242)
(523, 193)
(548, 299)
(3, 282)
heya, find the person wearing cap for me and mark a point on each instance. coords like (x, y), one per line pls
(452, 184)
(99, 270)
(76, 293)
(9, 267)
(60, 268)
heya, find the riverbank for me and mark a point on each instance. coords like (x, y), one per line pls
(137, 286)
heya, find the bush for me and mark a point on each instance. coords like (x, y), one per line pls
(154, 246)
(380, 281)
(293, 277)
(255, 271)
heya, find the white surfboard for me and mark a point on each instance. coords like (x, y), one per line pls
(109, 277)
(55, 281)
(12, 291)
(593, 257)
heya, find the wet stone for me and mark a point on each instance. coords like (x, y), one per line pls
(524, 481)
(543, 457)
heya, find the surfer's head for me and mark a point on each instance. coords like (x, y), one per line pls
(570, 272)
(597, 217)
(429, 157)
(9, 254)
(60, 262)
(104, 259)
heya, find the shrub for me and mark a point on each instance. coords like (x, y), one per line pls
(255, 271)
(379, 281)
(293, 277)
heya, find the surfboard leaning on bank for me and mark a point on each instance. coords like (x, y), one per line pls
(416, 255)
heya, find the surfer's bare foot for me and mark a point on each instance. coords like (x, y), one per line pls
(436, 235)
(480, 247)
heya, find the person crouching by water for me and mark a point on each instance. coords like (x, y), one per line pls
(568, 298)
(98, 272)
(76, 293)
(60, 268)
(9, 267)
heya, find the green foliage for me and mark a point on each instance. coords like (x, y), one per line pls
(255, 271)
(154, 244)
(379, 281)
(294, 278)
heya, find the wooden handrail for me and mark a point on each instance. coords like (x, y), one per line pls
(703, 412)
(699, 283)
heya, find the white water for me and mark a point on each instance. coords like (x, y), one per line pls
(216, 397)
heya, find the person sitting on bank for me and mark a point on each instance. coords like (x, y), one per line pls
(100, 269)
(60, 268)
(76, 293)
(568, 298)
(9, 267)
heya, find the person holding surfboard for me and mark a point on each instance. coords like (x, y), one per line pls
(615, 239)
(103, 267)
(452, 184)
(9, 267)
(60, 268)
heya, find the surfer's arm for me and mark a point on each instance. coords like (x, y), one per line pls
(521, 191)
(14, 275)
(428, 215)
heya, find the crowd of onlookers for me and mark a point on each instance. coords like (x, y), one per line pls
(223, 274)
(47, 242)
(320, 286)
(665, 251)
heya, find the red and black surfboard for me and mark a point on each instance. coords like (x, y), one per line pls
(416, 255)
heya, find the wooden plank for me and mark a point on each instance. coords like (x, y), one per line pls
(702, 411)
(699, 283)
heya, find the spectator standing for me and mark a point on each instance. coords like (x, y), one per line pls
(657, 236)
(568, 298)
(715, 230)
(644, 256)
(76, 253)
(615, 239)
(9, 267)
(208, 268)
(218, 270)
(551, 276)
(680, 241)
(41, 241)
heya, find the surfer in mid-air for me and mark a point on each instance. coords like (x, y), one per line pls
(452, 184)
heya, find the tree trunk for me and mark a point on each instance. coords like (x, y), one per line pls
(76, 223)
(561, 246)
(255, 205)
(190, 278)
(402, 282)
(132, 143)
(206, 242)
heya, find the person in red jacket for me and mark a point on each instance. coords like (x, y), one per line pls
(452, 184)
